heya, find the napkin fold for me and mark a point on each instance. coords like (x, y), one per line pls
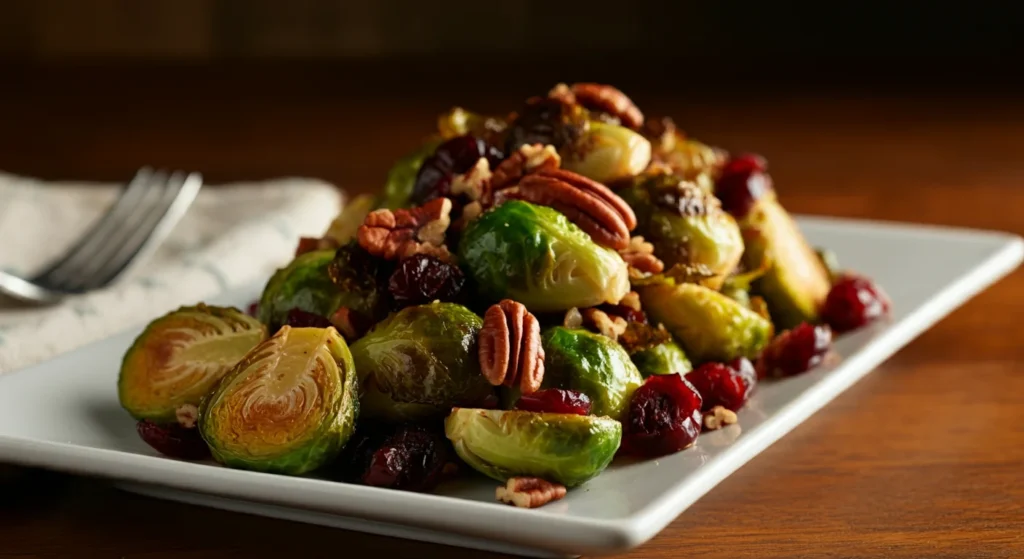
(231, 236)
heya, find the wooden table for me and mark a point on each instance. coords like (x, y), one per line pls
(924, 457)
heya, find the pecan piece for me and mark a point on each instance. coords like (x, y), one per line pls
(718, 417)
(510, 351)
(605, 324)
(640, 258)
(529, 158)
(592, 206)
(401, 233)
(608, 99)
(529, 492)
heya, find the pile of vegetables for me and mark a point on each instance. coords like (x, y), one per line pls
(528, 297)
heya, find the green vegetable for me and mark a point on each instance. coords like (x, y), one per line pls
(402, 176)
(593, 364)
(288, 407)
(534, 255)
(563, 448)
(180, 356)
(420, 362)
(686, 225)
(709, 325)
(345, 226)
(607, 153)
(663, 359)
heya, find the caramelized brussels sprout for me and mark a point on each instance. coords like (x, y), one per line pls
(709, 325)
(592, 364)
(685, 157)
(180, 356)
(563, 448)
(420, 362)
(288, 407)
(534, 255)
(607, 153)
(460, 122)
(344, 227)
(402, 176)
(320, 282)
(663, 359)
(686, 225)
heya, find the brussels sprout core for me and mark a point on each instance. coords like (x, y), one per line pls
(288, 407)
(564, 448)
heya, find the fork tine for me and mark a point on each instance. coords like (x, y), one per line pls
(94, 238)
(175, 196)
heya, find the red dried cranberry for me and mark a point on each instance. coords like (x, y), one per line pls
(795, 351)
(629, 314)
(453, 157)
(298, 318)
(555, 400)
(422, 278)
(664, 417)
(173, 440)
(853, 302)
(727, 385)
(744, 180)
(412, 459)
(254, 309)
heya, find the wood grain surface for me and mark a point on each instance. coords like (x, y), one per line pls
(922, 458)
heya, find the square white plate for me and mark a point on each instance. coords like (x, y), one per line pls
(64, 415)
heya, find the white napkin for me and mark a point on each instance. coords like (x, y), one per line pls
(232, 235)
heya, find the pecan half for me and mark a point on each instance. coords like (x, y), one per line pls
(510, 351)
(719, 417)
(608, 99)
(592, 206)
(529, 492)
(640, 258)
(401, 233)
(529, 158)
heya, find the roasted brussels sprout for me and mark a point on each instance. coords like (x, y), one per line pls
(663, 359)
(344, 227)
(322, 281)
(420, 362)
(607, 153)
(402, 176)
(181, 356)
(460, 122)
(589, 363)
(685, 157)
(288, 407)
(534, 255)
(563, 448)
(709, 325)
(686, 225)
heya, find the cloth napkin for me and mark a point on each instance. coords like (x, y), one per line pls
(231, 236)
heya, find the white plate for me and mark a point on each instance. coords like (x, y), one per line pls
(64, 415)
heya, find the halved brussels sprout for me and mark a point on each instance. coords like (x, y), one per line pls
(180, 356)
(663, 359)
(402, 176)
(534, 255)
(563, 448)
(288, 407)
(306, 284)
(460, 122)
(607, 153)
(592, 364)
(420, 362)
(709, 325)
(686, 225)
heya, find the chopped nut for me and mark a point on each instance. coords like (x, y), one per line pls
(610, 326)
(631, 300)
(640, 258)
(527, 159)
(187, 415)
(529, 492)
(573, 318)
(719, 417)
(401, 233)
(510, 349)
(473, 182)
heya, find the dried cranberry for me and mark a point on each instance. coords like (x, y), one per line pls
(853, 302)
(298, 318)
(727, 385)
(173, 440)
(629, 314)
(795, 351)
(453, 157)
(555, 400)
(253, 309)
(413, 458)
(664, 417)
(744, 180)
(422, 278)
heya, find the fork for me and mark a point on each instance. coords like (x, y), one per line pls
(145, 212)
